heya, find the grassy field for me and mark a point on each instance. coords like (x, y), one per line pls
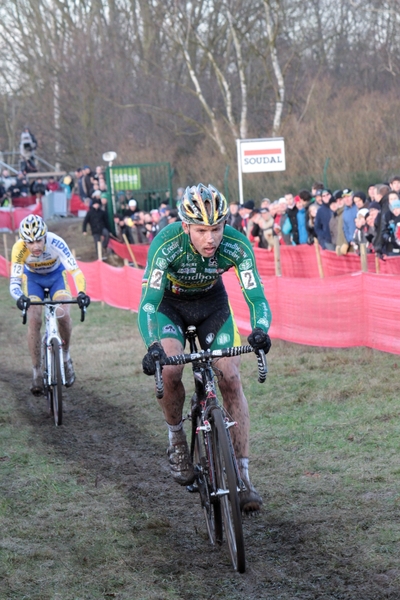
(88, 511)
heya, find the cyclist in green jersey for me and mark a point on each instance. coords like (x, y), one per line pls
(182, 285)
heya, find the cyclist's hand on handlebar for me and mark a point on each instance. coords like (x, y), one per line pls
(259, 340)
(83, 300)
(23, 302)
(154, 352)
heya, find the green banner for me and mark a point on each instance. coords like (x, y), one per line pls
(125, 178)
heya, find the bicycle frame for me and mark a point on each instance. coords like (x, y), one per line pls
(51, 333)
(206, 401)
(218, 479)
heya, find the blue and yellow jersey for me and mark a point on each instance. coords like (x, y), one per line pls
(55, 253)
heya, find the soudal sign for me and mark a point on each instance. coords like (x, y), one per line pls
(261, 155)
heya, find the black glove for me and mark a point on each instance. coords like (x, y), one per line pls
(23, 302)
(83, 300)
(154, 352)
(259, 340)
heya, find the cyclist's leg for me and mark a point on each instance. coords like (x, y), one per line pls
(60, 290)
(172, 403)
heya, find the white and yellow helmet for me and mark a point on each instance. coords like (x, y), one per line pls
(203, 205)
(32, 228)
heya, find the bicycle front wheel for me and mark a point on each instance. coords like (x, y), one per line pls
(227, 485)
(202, 463)
(56, 383)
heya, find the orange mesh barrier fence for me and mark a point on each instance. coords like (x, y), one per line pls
(338, 312)
(139, 251)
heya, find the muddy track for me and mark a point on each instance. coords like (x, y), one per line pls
(106, 445)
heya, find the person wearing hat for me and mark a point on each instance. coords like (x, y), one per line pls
(97, 220)
(96, 195)
(132, 208)
(245, 211)
(336, 205)
(360, 200)
(361, 231)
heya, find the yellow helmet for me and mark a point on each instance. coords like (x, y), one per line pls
(202, 205)
(32, 228)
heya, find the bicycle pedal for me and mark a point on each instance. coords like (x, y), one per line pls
(193, 488)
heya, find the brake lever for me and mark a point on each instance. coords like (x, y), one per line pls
(159, 381)
(262, 366)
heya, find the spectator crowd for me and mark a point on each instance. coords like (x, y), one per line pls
(341, 220)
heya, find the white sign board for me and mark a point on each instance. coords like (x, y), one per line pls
(257, 156)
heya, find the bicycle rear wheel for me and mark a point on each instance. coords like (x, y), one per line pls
(227, 485)
(210, 504)
(56, 384)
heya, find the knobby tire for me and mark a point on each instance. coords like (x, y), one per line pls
(210, 504)
(56, 384)
(227, 480)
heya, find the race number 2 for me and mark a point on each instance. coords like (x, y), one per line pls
(248, 279)
(156, 277)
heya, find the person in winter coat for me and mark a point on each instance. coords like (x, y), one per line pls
(97, 220)
(349, 215)
(391, 227)
(321, 224)
(361, 232)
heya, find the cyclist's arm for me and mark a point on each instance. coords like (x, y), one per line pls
(67, 260)
(19, 254)
(163, 250)
(244, 263)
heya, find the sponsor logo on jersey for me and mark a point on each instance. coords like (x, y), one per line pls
(234, 250)
(263, 321)
(169, 329)
(169, 249)
(21, 254)
(61, 246)
(210, 338)
(161, 263)
(223, 339)
(248, 279)
(149, 308)
(212, 262)
(246, 265)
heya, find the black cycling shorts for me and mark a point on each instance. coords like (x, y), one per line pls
(210, 312)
